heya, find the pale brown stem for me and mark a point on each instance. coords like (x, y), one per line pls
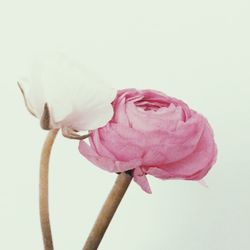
(43, 190)
(108, 210)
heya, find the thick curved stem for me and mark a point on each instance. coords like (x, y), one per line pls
(108, 210)
(43, 190)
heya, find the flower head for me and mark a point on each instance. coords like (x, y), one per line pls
(152, 133)
(63, 94)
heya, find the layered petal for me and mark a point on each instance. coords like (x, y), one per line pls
(167, 147)
(193, 167)
(107, 163)
(163, 118)
(123, 142)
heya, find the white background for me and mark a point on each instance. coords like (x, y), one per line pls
(197, 51)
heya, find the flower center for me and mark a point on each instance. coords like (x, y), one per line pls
(149, 105)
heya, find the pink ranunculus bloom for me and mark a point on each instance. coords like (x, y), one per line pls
(152, 133)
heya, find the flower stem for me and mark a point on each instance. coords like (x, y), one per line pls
(107, 212)
(43, 190)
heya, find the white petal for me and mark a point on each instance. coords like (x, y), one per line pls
(93, 116)
(74, 95)
(34, 99)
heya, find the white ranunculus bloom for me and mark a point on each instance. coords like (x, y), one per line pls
(65, 95)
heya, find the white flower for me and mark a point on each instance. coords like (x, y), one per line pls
(62, 94)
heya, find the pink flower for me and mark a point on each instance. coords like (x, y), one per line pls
(152, 133)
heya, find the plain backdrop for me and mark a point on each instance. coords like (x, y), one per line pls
(194, 50)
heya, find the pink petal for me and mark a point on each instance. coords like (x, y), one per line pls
(98, 146)
(157, 96)
(166, 147)
(106, 163)
(194, 166)
(141, 179)
(123, 148)
(150, 120)
(120, 115)
(97, 160)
